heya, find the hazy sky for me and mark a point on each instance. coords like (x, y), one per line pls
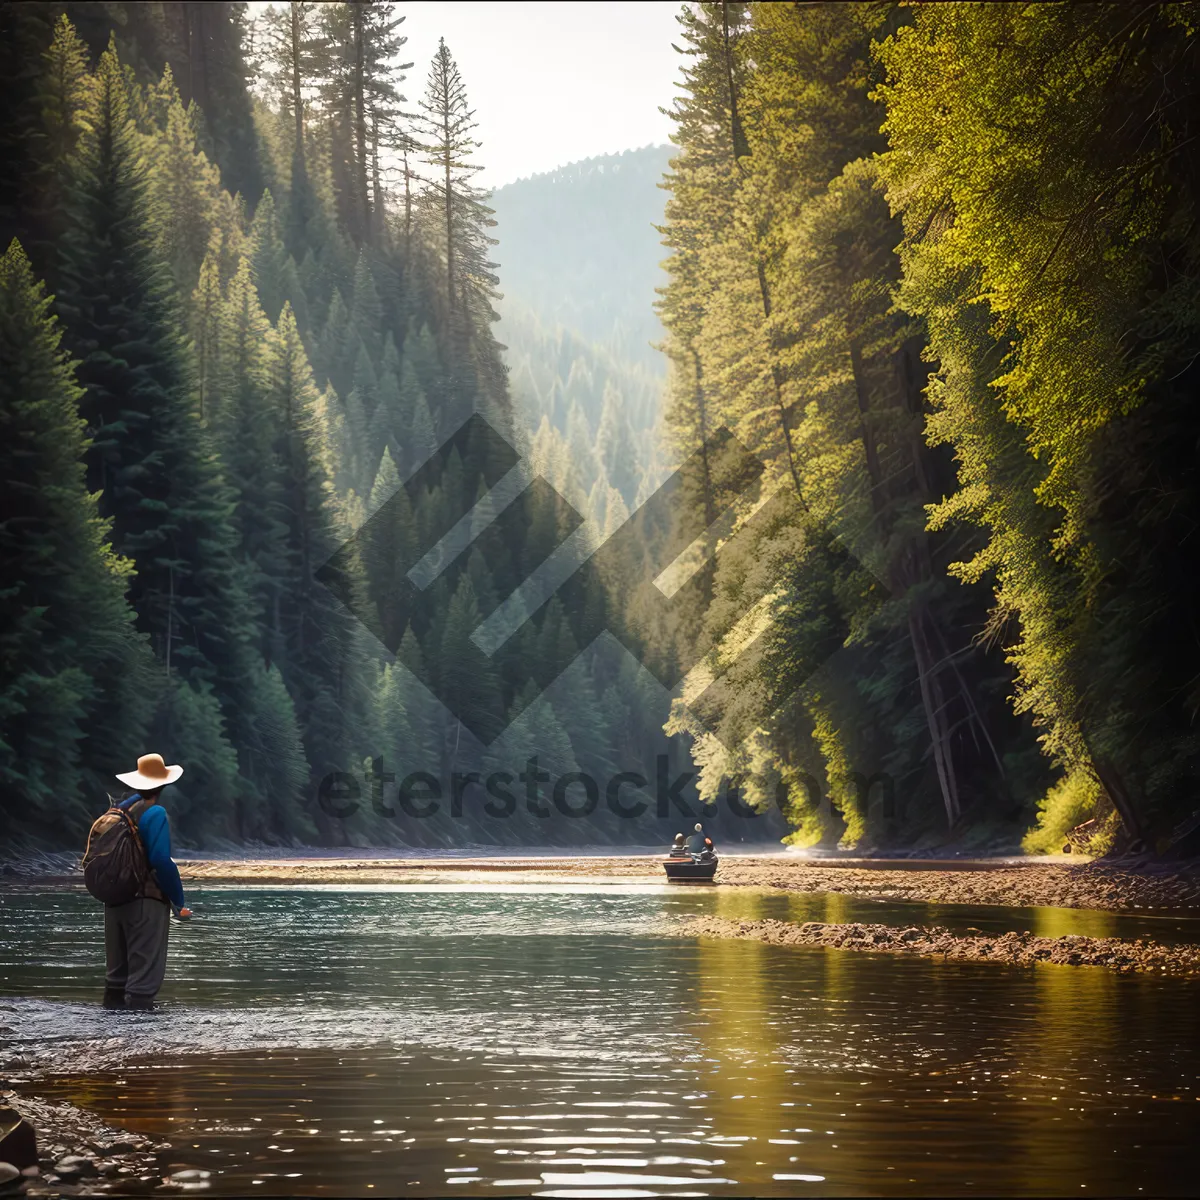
(551, 83)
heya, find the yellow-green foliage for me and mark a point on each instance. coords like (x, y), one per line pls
(840, 771)
(804, 811)
(1068, 803)
(1037, 166)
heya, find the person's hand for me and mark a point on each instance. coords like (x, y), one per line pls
(184, 914)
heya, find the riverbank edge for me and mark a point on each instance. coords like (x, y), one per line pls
(1008, 949)
(1022, 883)
(1028, 884)
(79, 1154)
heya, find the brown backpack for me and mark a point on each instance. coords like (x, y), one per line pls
(115, 869)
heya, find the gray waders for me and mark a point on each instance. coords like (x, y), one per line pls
(135, 949)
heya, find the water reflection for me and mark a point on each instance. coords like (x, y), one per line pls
(477, 1043)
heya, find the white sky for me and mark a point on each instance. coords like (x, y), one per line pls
(551, 83)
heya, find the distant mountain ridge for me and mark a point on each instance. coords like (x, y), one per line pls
(579, 248)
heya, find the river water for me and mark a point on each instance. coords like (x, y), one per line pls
(502, 1040)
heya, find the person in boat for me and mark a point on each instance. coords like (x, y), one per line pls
(677, 847)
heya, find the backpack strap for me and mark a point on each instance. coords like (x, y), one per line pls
(133, 814)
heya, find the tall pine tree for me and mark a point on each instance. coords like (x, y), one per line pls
(77, 685)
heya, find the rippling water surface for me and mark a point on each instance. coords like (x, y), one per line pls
(492, 1040)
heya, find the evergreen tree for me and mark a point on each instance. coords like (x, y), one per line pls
(64, 87)
(250, 430)
(76, 683)
(366, 310)
(206, 306)
(338, 347)
(207, 48)
(456, 206)
(615, 447)
(183, 189)
(313, 632)
(359, 45)
(275, 276)
(294, 48)
(272, 756)
(149, 457)
(396, 740)
(190, 727)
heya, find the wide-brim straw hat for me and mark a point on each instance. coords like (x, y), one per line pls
(151, 772)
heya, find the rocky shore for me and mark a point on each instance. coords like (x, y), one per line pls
(1031, 883)
(64, 1151)
(1141, 886)
(1011, 949)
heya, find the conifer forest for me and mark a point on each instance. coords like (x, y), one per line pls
(889, 360)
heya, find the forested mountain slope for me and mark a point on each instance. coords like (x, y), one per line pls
(579, 248)
(248, 335)
(580, 255)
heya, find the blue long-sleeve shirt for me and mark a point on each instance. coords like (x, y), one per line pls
(155, 831)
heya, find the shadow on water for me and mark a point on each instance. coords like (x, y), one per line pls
(472, 1042)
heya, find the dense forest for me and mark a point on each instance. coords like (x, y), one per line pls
(932, 265)
(248, 296)
(937, 266)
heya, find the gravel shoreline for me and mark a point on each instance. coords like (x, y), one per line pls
(81, 1155)
(1031, 883)
(1015, 883)
(1010, 949)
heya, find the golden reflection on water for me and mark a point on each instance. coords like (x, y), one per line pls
(1059, 922)
(745, 1084)
(1063, 1000)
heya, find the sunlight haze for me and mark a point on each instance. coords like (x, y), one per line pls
(552, 83)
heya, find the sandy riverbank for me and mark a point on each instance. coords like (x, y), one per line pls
(1015, 883)
(1009, 949)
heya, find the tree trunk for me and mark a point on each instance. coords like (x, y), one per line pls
(449, 208)
(1114, 787)
(407, 208)
(196, 18)
(710, 508)
(710, 513)
(870, 450)
(905, 570)
(741, 145)
(362, 200)
(297, 97)
(376, 184)
(934, 702)
(741, 149)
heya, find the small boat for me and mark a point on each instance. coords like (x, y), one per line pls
(691, 861)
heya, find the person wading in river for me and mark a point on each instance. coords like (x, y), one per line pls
(128, 866)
